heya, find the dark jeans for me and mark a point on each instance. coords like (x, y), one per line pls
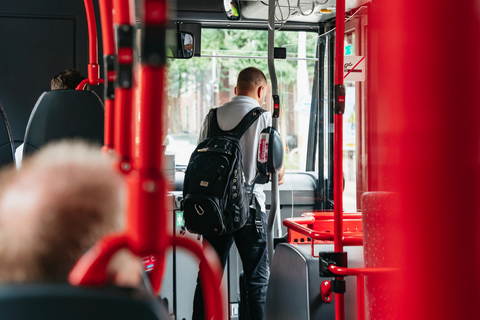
(252, 248)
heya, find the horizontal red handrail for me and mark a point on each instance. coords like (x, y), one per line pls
(81, 85)
(325, 215)
(359, 271)
(91, 268)
(297, 224)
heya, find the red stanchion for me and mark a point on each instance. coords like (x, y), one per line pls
(123, 116)
(428, 118)
(146, 232)
(338, 145)
(109, 52)
(93, 67)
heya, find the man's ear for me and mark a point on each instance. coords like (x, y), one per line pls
(259, 92)
(235, 91)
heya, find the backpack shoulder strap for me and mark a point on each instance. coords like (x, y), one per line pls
(246, 122)
(213, 128)
(239, 130)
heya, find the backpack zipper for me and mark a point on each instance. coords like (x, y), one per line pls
(215, 150)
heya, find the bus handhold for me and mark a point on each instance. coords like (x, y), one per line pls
(124, 72)
(339, 285)
(328, 258)
(276, 106)
(340, 93)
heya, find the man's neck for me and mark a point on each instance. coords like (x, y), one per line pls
(247, 94)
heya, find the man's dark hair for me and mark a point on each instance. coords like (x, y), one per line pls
(67, 79)
(250, 78)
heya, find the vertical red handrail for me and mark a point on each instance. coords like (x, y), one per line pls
(147, 219)
(123, 131)
(109, 51)
(147, 232)
(430, 116)
(338, 133)
(93, 68)
(338, 148)
(106, 14)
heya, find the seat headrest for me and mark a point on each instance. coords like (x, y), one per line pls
(65, 114)
(6, 142)
(62, 301)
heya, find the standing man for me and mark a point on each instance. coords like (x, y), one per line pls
(252, 244)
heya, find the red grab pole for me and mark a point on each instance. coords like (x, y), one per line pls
(123, 128)
(431, 116)
(106, 14)
(147, 232)
(109, 53)
(93, 68)
(338, 147)
(338, 130)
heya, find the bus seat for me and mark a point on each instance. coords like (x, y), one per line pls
(294, 285)
(64, 114)
(63, 301)
(7, 153)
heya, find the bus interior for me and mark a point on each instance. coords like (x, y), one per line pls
(378, 203)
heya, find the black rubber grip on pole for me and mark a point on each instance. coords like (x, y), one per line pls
(340, 94)
(153, 45)
(109, 62)
(276, 106)
(124, 62)
(338, 259)
(339, 286)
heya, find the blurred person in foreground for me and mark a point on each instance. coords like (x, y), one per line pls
(55, 208)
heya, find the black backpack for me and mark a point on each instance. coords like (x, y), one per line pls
(215, 194)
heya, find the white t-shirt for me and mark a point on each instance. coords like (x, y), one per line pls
(19, 156)
(229, 116)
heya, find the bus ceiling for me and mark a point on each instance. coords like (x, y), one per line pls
(300, 14)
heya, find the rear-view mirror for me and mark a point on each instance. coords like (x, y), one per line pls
(232, 9)
(180, 45)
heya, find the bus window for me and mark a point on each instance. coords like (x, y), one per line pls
(349, 136)
(199, 84)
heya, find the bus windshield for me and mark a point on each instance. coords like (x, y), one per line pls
(199, 84)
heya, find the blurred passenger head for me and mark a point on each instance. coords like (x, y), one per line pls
(58, 205)
(67, 79)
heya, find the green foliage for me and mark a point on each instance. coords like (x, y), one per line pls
(191, 80)
(233, 42)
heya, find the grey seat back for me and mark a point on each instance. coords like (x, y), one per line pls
(62, 301)
(7, 153)
(64, 114)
